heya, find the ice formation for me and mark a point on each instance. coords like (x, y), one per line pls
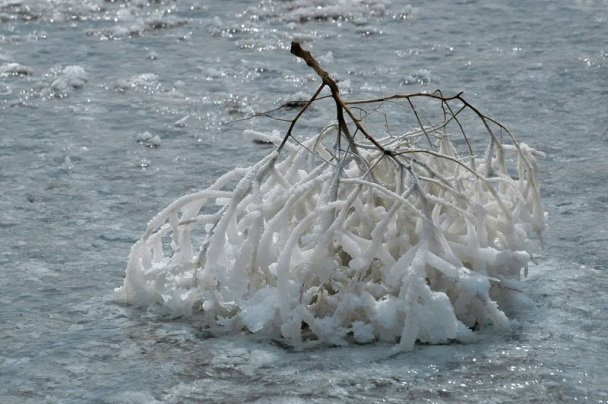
(403, 238)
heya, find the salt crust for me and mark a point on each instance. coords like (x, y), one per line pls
(310, 247)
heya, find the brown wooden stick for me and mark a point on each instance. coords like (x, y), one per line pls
(297, 50)
(341, 107)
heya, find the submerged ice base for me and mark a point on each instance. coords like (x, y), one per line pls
(308, 246)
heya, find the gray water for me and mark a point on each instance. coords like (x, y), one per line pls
(78, 188)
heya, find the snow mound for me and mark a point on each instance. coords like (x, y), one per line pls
(314, 244)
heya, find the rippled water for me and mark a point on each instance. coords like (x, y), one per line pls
(81, 81)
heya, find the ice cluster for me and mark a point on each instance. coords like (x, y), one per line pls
(307, 246)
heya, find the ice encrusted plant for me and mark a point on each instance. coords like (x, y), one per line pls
(352, 236)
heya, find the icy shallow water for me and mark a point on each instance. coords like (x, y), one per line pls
(80, 82)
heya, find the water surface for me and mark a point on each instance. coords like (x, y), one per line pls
(80, 81)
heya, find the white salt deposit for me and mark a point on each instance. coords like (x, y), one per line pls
(315, 244)
(305, 10)
(15, 69)
(182, 122)
(71, 77)
(146, 82)
(61, 339)
(149, 140)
